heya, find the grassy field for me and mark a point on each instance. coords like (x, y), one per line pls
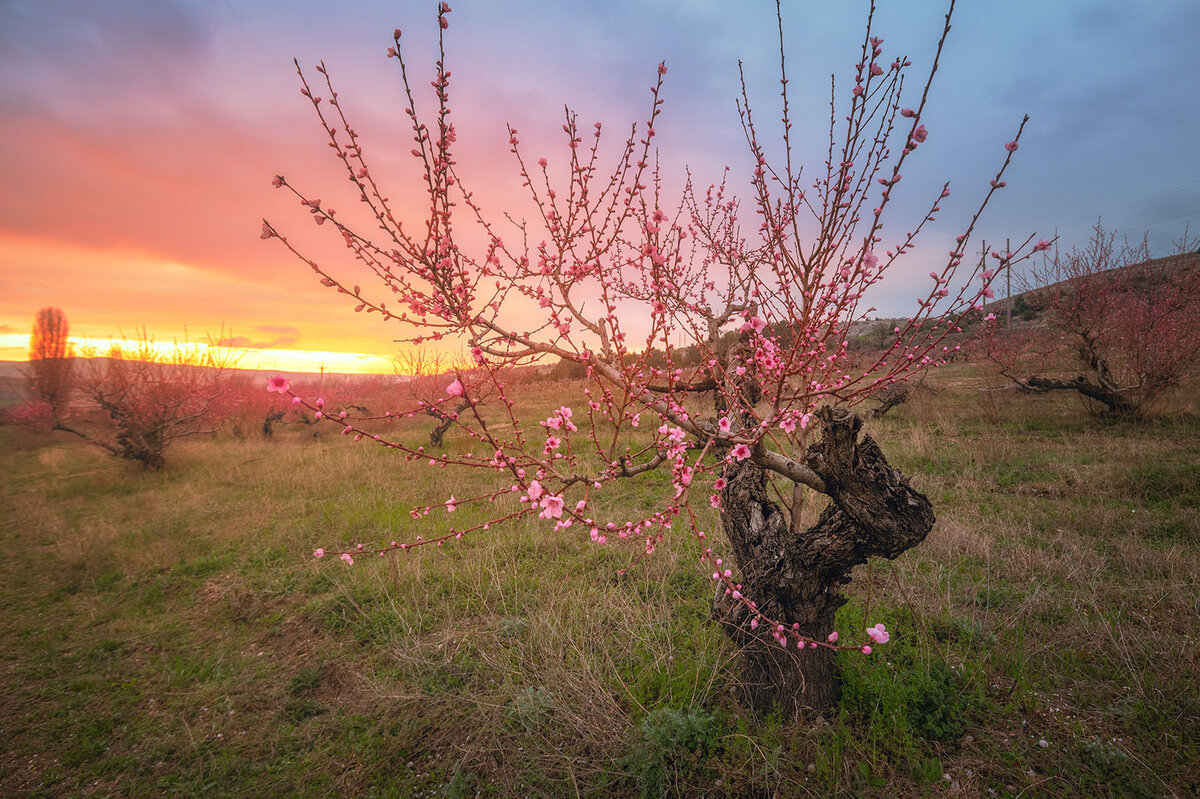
(170, 634)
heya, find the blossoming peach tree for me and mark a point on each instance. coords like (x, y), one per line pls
(601, 270)
(1119, 329)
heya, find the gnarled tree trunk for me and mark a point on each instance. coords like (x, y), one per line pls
(798, 577)
(445, 420)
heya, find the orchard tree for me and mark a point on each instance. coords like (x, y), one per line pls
(426, 376)
(1118, 328)
(138, 400)
(601, 269)
(50, 360)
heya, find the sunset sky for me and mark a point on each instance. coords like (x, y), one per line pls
(140, 136)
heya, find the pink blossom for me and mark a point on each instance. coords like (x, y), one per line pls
(1041, 245)
(876, 69)
(920, 134)
(878, 634)
(318, 553)
(833, 636)
(477, 354)
(740, 452)
(788, 425)
(662, 67)
(451, 504)
(723, 425)
(535, 491)
(720, 484)
(991, 317)
(455, 389)
(907, 112)
(552, 507)
(1011, 147)
(346, 557)
(866, 650)
(279, 384)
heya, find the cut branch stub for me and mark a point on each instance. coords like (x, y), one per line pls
(887, 515)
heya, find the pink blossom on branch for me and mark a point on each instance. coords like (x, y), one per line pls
(552, 507)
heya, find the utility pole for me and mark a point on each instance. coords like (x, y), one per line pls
(983, 254)
(1008, 281)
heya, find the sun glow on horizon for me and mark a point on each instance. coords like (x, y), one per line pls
(15, 347)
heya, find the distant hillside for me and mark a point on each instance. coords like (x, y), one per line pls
(1028, 305)
(10, 369)
(12, 389)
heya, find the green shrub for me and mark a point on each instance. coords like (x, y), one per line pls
(677, 744)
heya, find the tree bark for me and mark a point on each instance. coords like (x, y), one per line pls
(797, 578)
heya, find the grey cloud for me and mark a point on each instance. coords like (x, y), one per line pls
(94, 51)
